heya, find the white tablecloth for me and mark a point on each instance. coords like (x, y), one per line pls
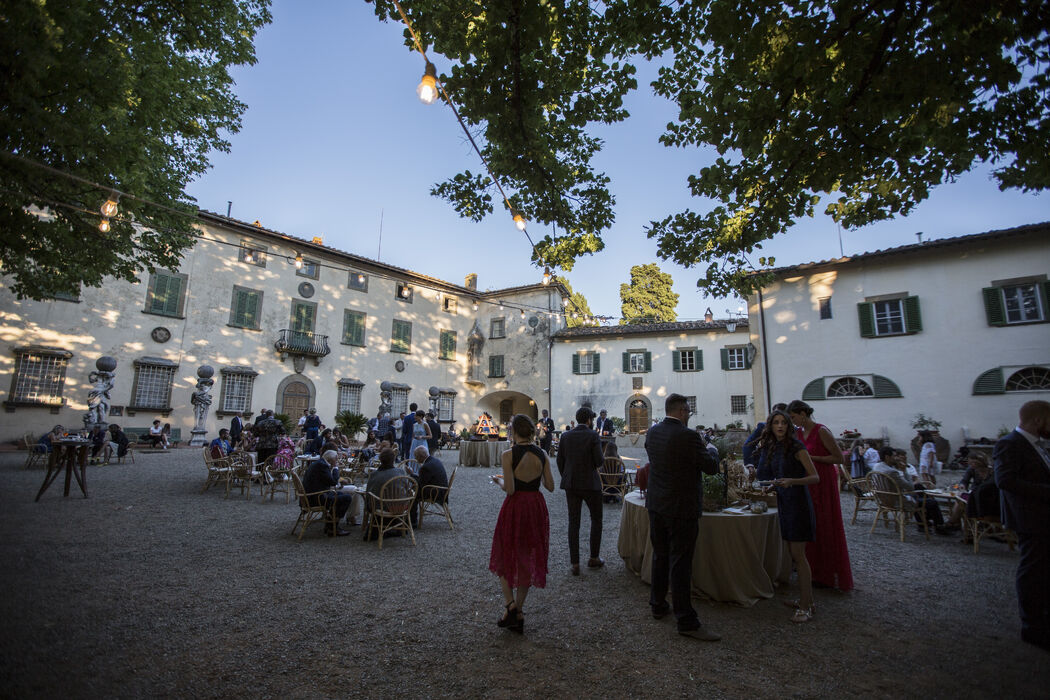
(485, 453)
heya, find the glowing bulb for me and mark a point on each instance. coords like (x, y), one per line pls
(360, 279)
(565, 301)
(298, 261)
(546, 275)
(501, 306)
(404, 292)
(109, 207)
(520, 222)
(474, 306)
(103, 225)
(427, 89)
(523, 313)
(573, 315)
(248, 257)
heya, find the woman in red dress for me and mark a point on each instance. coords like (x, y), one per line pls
(521, 541)
(828, 555)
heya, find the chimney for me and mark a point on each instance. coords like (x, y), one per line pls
(708, 316)
(471, 281)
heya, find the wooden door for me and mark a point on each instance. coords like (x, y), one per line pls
(295, 400)
(638, 416)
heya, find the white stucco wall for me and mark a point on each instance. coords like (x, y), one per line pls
(935, 368)
(612, 390)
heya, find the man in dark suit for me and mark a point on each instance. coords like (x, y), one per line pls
(548, 432)
(431, 473)
(579, 458)
(677, 457)
(236, 428)
(323, 476)
(435, 434)
(405, 443)
(1022, 473)
(604, 425)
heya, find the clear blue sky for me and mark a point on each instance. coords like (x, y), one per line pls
(334, 140)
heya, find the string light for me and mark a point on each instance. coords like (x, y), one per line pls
(474, 305)
(427, 89)
(523, 313)
(520, 222)
(546, 276)
(109, 207)
(298, 261)
(103, 225)
(248, 257)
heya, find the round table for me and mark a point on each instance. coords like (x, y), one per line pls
(485, 453)
(69, 454)
(737, 558)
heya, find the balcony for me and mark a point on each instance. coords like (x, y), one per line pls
(300, 345)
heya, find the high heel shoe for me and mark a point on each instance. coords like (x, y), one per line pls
(519, 623)
(509, 618)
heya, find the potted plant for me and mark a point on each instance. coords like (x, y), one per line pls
(924, 422)
(350, 423)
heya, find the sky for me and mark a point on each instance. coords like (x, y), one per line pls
(336, 144)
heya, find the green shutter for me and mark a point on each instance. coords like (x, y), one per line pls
(814, 391)
(303, 317)
(990, 382)
(245, 308)
(725, 358)
(597, 363)
(648, 361)
(492, 365)
(626, 362)
(401, 338)
(747, 360)
(576, 363)
(699, 355)
(676, 360)
(885, 388)
(251, 312)
(353, 328)
(1045, 289)
(166, 294)
(912, 316)
(993, 306)
(866, 315)
(452, 345)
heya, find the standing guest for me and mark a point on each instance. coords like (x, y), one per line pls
(420, 432)
(604, 425)
(405, 441)
(435, 433)
(828, 555)
(373, 423)
(236, 428)
(156, 434)
(398, 426)
(929, 467)
(323, 476)
(302, 423)
(220, 446)
(748, 451)
(579, 459)
(312, 425)
(1022, 472)
(792, 471)
(858, 466)
(118, 441)
(546, 429)
(267, 430)
(431, 473)
(521, 540)
(384, 431)
(676, 457)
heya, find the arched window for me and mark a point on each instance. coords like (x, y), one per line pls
(849, 386)
(1029, 379)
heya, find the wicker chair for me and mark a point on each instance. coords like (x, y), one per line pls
(410, 466)
(614, 478)
(860, 487)
(280, 479)
(129, 453)
(323, 511)
(978, 527)
(244, 475)
(434, 499)
(891, 500)
(33, 455)
(391, 510)
(220, 471)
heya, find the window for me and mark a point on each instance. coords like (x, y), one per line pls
(883, 317)
(401, 337)
(357, 280)
(738, 403)
(237, 383)
(851, 387)
(691, 400)
(498, 328)
(403, 292)
(506, 411)
(586, 363)
(825, 308)
(398, 400)
(310, 268)
(1002, 379)
(687, 360)
(637, 361)
(448, 345)
(446, 402)
(40, 376)
(152, 384)
(496, 366)
(166, 294)
(354, 328)
(246, 308)
(349, 395)
(1020, 301)
(67, 296)
(448, 304)
(735, 358)
(252, 254)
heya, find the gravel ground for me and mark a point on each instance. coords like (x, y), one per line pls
(149, 588)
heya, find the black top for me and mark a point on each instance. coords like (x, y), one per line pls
(516, 453)
(677, 458)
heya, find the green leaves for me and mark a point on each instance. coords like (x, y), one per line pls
(649, 297)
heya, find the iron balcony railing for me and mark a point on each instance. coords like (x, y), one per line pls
(302, 343)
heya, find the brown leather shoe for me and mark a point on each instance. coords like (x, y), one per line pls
(575, 569)
(595, 563)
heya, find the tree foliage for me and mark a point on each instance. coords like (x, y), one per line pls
(858, 108)
(577, 305)
(649, 298)
(132, 95)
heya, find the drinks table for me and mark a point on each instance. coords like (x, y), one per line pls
(69, 454)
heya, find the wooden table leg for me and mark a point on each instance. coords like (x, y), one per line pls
(68, 455)
(54, 468)
(80, 469)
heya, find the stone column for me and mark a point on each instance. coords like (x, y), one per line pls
(98, 397)
(201, 400)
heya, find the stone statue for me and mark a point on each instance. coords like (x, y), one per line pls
(201, 400)
(475, 344)
(98, 397)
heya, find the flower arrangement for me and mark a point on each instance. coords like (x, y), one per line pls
(850, 433)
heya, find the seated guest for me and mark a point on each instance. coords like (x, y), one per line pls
(220, 446)
(99, 443)
(156, 434)
(323, 475)
(118, 441)
(316, 445)
(166, 432)
(889, 465)
(340, 440)
(431, 473)
(384, 473)
(246, 443)
(977, 473)
(46, 442)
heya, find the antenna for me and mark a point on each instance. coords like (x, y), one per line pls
(379, 254)
(229, 206)
(918, 234)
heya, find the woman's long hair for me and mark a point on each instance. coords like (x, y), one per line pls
(768, 440)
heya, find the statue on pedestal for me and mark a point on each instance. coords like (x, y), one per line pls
(98, 397)
(201, 400)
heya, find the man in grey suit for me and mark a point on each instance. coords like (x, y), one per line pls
(1022, 473)
(677, 457)
(579, 458)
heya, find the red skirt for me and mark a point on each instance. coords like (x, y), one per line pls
(521, 541)
(828, 555)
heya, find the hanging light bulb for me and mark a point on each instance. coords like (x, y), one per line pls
(573, 315)
(523, 313)
(248, 257)
(565, 301)
(103, 225)
(546, 275)
(474, 305)
(427, 89)
(501, 305)
(520, 222)
(298, 261)
(109, 207)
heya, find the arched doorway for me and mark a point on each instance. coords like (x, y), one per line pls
(639, 413)
(504, 404)
(294, 395)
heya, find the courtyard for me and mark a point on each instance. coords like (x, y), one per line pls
(150, 588)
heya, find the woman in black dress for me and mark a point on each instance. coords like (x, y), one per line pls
(792, 471)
